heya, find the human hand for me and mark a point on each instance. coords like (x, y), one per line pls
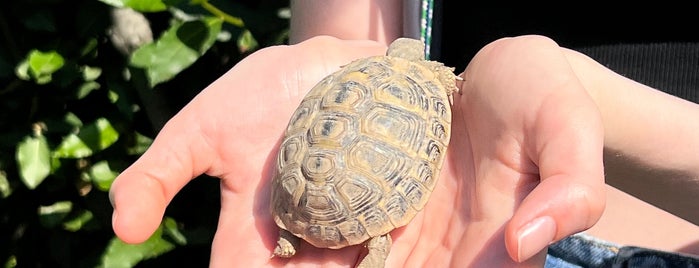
(231, 130)
(536, 138)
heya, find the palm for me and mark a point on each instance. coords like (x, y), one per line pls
(231, 131)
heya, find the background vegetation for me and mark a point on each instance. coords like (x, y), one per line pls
(84, 87)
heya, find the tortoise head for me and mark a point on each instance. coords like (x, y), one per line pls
(407, 48)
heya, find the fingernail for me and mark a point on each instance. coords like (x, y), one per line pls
(535, 236)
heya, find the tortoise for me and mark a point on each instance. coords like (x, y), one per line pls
(362, 152)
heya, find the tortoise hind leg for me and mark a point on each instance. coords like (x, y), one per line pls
(378, 251)
(286, 245)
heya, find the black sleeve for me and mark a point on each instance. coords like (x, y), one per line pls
(655, 45)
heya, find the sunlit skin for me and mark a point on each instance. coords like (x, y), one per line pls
(511, 160)
(648, 136)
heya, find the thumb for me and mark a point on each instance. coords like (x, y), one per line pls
(555, 209)
(141, 193)
(570, 197)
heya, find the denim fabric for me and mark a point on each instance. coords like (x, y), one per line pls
(582, 250)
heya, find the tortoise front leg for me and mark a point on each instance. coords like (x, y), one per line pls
(378, 252)
(286, 245)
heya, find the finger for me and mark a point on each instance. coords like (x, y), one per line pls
(566, 145)
(140, 193)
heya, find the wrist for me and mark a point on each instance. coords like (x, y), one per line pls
(587, 71)
(376, 20)
(650, 138)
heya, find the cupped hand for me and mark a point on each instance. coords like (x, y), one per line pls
(536, 138)
(518, 148)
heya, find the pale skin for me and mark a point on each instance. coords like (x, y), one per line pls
(489, 188)
(463, 224)
(637, 158)
(380, 21)
(515, 178)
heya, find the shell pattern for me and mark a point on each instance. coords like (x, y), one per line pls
(363, 151)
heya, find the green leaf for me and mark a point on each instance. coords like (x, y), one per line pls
(22, 71)
(171, 230)
(39, 66)
(176, 49)
(43, 64)
(102, 175)
(86, 88)
(113, 96)
(141, 144)
(52, 215)
(139, 5)
(91, 73)
(42, 80)
(77, 223)
(55, 164)
(90, 47)
(104, 132)
(119, 254)
(73, 120)
(146, 5)
(246, 42)
(5, 188)
(11, 262)
(34, 160)
(72, 147)
(91, 138)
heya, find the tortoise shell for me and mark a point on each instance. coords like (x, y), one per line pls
(363, 151)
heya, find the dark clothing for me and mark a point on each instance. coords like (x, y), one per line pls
(655, 45)
(581, 250)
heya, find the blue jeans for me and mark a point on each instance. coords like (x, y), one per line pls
(582, 250)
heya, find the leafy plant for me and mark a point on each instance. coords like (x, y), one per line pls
(84, 87)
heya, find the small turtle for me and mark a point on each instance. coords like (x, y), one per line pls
(363, 152)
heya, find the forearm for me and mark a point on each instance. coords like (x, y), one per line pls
(651, 138)
(379, 20)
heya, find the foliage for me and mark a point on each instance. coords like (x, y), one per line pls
(84, 87)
